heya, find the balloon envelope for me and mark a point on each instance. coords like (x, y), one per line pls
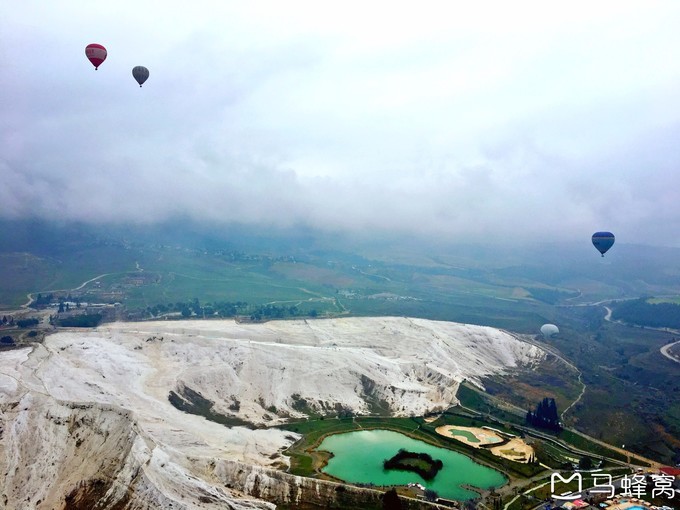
(95, 53)
(603, 241)
(140, 73)
(548, 330)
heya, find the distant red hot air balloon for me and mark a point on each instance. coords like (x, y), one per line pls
(96, 53)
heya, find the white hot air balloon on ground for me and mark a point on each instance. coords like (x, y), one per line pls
(549, 330)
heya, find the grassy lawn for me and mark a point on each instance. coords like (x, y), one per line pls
(306, 461)
(584, 444)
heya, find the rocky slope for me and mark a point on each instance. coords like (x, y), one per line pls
(87, 419)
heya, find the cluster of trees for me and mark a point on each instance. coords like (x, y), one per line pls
(545, 415)
(639, 311)
(274, 312)
(227, 309)
(391, 500)
(585, 463)
(425, 466)
(7, 321)
(550, 296)
(81, 321)
(431, 495)
(25, 323)
(194, 308)
(43, 300)
(65, 308)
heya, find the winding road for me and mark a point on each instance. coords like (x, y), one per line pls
(666, 351)
(30, 294)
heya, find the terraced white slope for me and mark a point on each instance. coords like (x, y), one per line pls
(91, 405)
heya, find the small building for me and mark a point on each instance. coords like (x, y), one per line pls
(674, 472)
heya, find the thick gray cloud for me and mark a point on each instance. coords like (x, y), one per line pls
(500, 121)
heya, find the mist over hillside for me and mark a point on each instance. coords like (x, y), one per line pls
(200, 271)
(50, 237)
(631, 268)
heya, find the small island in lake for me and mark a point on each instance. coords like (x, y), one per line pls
(420, 463)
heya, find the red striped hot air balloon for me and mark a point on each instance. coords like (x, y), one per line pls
(95, 53)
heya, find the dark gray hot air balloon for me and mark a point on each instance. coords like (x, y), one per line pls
(140, 73)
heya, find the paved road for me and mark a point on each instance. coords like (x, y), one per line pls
(666, 351)
(630, 455)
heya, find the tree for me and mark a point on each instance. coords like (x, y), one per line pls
(585, 463)
(391, 500)
(82, 321)
(545, 416)
(431, 495)
(25, 323)
(470, 504)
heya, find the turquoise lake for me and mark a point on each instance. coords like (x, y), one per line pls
(358, 458)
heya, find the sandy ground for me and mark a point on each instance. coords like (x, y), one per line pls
(485, 437)
(516, 449)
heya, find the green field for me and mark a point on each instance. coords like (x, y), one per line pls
(631, 397)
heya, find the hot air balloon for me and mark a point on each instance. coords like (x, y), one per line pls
(96, 53)
(548, 330)
(141, 74)
(603, 241)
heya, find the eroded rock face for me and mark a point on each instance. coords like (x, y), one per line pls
(87, 422)
(50, 449)
(83, 456)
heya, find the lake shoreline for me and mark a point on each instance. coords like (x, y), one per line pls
(352, 461)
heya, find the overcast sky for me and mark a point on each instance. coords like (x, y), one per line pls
(498, 120)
